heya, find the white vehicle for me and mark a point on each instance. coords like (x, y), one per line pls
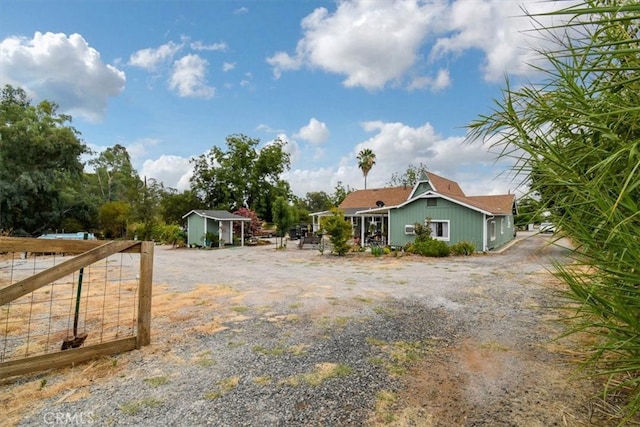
(547, 227)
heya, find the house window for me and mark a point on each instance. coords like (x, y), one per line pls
(432, 202)
(440, 230)
(492, 230)
(408, 229)
(501, 225)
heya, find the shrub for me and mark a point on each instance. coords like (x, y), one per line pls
(377, 251)
(463, 248)
(432, 248)
(339, 230)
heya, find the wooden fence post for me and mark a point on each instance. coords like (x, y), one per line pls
(144, 299)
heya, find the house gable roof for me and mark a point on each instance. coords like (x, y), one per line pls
(218, 215)
(438, 184)
(367, 199)
(501, 204)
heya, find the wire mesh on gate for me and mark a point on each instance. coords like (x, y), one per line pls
(100, 300)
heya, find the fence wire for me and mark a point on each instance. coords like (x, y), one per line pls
(40, 322)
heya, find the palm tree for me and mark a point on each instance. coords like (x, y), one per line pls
(366, 160)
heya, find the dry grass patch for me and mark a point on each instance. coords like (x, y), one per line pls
(400, 355)
(224, 387)
(321, 373)
(72, 383)
(133, 408)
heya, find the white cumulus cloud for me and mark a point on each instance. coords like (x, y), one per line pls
(188, 78)
(316, 132)
(149, 58)
(396, 146)
(62, 68)
(379, 43)
(370, 42)
(172, 171)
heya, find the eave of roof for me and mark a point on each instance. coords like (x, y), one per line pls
(218, 215)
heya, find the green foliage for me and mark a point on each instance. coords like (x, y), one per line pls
(211, 240)
(430, 248)
(426, 245)
(339, 194)
(463, 248)
(529, 212)
(115, 178)
(366, 160)
(317, 201)
(242, 175)
(577, 139)
(113, 218)
(40, 157)
(174, 205)
(339, 230)
(283, 217)
(422, 232)
(377, 251)
(410, 177)
(170, 234)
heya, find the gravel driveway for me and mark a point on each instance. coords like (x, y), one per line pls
(255, 336)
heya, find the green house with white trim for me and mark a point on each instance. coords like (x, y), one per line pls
(388, 215)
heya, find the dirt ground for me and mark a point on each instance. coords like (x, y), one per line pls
(492, 322)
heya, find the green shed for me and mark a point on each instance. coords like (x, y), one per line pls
(217, 222)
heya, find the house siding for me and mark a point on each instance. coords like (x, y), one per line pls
(195, 230)
(464, 224)
(503, 233)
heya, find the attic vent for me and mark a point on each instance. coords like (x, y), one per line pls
(379, 203)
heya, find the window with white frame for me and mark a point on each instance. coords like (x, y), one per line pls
(492, 230)
(409, 229)
(501, 225)
(439, 230)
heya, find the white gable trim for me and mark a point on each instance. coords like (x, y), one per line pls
(433, 194)
(415, 187)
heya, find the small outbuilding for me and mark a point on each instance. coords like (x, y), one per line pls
(206, 227)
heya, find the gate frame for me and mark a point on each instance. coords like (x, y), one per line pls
(90, 252)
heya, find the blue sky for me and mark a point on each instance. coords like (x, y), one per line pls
(170, 79)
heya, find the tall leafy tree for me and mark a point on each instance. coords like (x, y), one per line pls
(115, 178)
(242, 176)
(40, 157)
(410, 177)
(146, 207)
(174, 205)
(283, 217)
(339, 194)
(317, 201)
(366, 160)
(576, 137)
